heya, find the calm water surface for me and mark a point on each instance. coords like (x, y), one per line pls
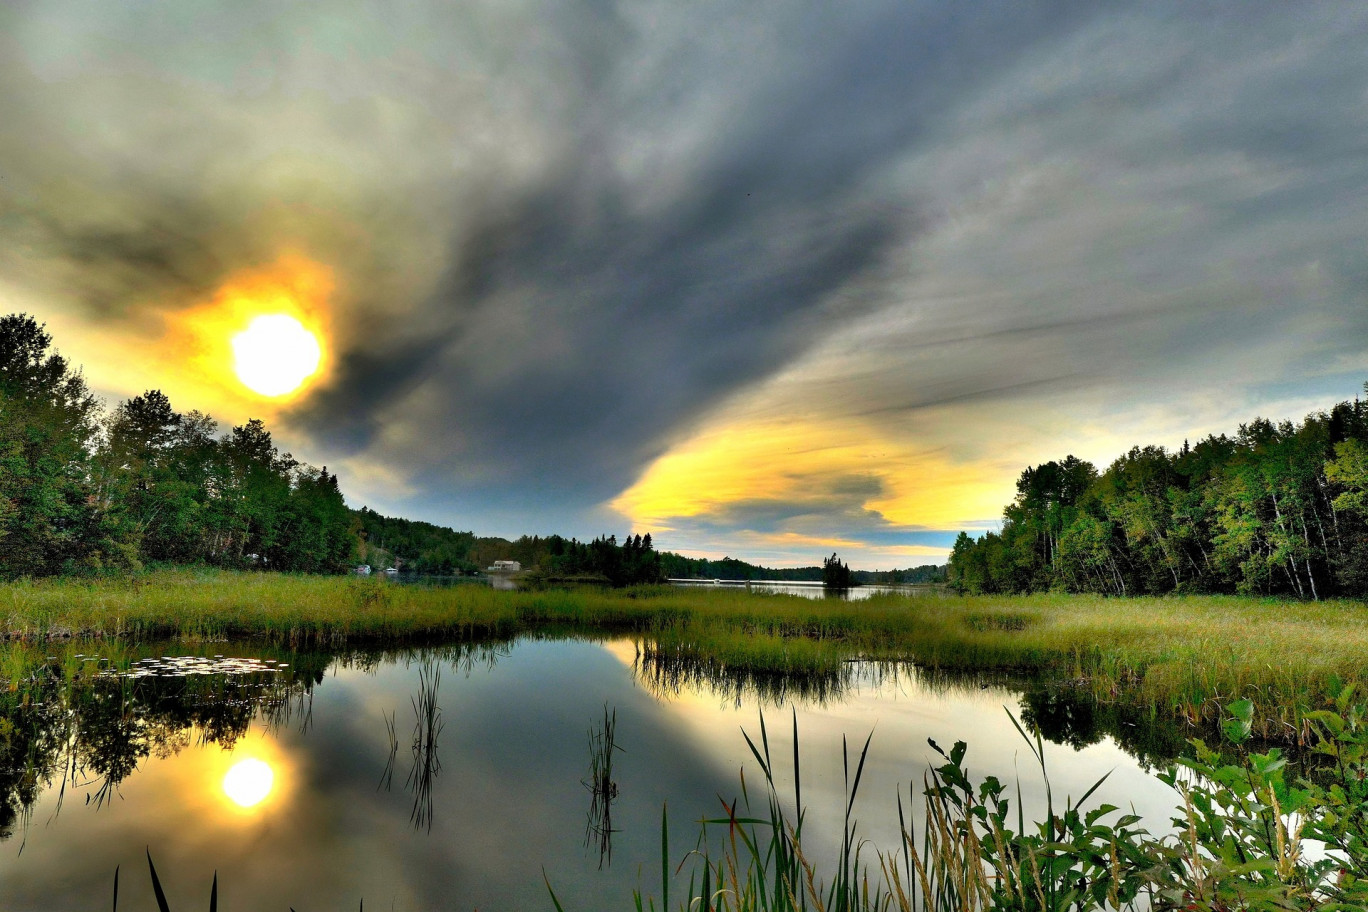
(811, 590)
(493, 797)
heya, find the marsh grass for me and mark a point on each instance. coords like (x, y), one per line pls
(603, 788)
(427, 727)
(1185, 655)
(1238, 846)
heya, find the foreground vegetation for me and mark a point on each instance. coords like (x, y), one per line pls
(1183, 656)
(1242, 840)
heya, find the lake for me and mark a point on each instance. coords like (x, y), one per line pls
(454, 777)
(812, 590)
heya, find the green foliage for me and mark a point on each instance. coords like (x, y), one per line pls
(1244, 826)
(51, 518)
(414, 546)
(835, 574)
(1277, 510)
(146, 484)
(1238, 847)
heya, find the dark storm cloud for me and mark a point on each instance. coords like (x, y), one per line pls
(577, 330)
(565, 234)
(647, 322)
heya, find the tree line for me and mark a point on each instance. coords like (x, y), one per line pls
(421, 547)
(82, 489)
(1277, 509)
(414, 546)
(677, 566)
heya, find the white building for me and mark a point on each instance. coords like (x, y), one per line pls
(505, 567)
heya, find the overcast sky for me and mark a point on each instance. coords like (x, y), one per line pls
(768, 279)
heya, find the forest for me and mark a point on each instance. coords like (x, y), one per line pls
(677, 566)
(421, 547)
(1277, 509)
(81, 490)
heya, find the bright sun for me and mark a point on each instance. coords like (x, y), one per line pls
(275, 354)
(248, 782)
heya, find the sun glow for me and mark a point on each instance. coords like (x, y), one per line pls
(263, 339)
(248, 782)
(275, 354)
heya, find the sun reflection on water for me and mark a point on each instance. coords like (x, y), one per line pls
(248, 782)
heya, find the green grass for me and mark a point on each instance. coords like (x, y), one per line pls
(1235, 848)
(1184, 655)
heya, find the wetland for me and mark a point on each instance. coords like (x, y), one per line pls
(313, 743)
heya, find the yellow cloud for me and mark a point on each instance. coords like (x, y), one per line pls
(805, 461)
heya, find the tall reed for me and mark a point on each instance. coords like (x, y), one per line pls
(1239, 847)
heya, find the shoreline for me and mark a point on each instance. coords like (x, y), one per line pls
(1182, 655)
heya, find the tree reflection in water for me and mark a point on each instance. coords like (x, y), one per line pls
(78, 721)
(1060, 710)
(82, 722)
(90, 726)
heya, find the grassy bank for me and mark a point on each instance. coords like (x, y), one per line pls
(1241, 840)
(1184, 655)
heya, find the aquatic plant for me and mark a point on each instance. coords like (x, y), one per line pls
(159, 893)
(603, 789)
(427, 726)
(1242, 833)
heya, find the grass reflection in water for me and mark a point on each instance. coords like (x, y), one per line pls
(427, 726)
(603, 788)
(117, 713)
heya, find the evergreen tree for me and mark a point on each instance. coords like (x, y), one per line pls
(50, 517)
(835, 574)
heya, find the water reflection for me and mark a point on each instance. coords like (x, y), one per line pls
(812, 590)
(602, 786)
(91, 733)
(506, 799)
(248, 782)
(667, 672)
(427, 725)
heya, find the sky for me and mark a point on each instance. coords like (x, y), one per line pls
(765, 279)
